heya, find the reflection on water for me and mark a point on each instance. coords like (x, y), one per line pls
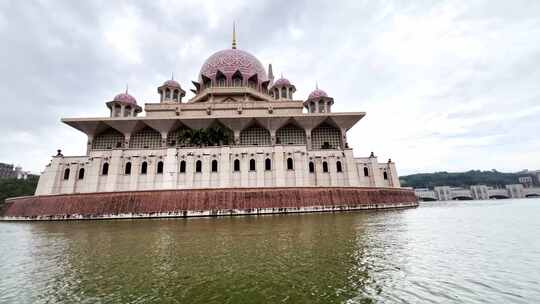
(440, 252)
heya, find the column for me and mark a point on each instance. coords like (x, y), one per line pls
(279, 166)
(206, 169)
(170, 169)
(89, 144)
(353, 179)
(114, 170)
(190, 170)
(332, 169)
(92, 175)
(300, 169)
(308, 138)
(244, 170)
(259, 158)
(225, 167)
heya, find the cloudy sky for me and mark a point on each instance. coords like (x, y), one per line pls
(446, 85)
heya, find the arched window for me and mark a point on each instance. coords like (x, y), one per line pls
(144, 168)
(105, 169)
(220, 79)
(214, 165)
(338, 166)
(325, 167)
(236, 165)
(81, 173)
(385, 175)
(366, 171)
(198, 166)
(183, 166)
(252, 165)
(268, 164)
(167, 93)
(127, 169)
(160, 167)
(66, 174)
(311, 167)
(290, 164)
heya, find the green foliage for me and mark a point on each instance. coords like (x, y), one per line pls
(12, 187)
(459, 179)
(213, 136)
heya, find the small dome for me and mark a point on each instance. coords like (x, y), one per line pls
(171, 83)
(317, 93)
(282, 82)
(125, 98)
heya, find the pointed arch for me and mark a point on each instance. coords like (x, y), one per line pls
(127, 168)
(66, 174)
(255, 135)
(221, 79)
(237, 79)
(160, 167)
(268, 164)
(325, 136)
(291, 134)
(311, 167)
(144, 167)
(236, 166)
(105, 169)
(198, 166)
(339, 167)
(147, 138)
(108, 139)
(214, 165)
(366, 171)
(290, 164)
(325, 167)
(81, 173)
(183, 166)
(252, 165)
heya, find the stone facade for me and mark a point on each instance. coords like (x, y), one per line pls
(275, 140)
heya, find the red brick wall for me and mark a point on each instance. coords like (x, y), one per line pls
(160, 201)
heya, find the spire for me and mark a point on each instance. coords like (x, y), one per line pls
(282, 75)
(270, 72)
(172, 75)
(234, 35)
(316, 85)
(127, 88)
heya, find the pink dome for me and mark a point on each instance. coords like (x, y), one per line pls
(317, 93)
(282, 82)
(125, 98)
(231, 60)
(172, 83)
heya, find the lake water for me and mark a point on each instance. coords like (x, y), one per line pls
(441, 252)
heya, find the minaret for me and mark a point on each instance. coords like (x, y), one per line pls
(234, 36)
(270, 75)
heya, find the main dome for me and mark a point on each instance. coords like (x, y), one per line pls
(231, 60)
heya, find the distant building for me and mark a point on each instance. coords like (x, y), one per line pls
(526, 181)
(9, 171)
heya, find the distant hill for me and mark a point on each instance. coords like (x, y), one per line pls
(459, 179)
(11, 187)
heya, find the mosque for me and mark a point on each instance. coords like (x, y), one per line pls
(242, 129)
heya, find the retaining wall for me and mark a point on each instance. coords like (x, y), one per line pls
(203, 202)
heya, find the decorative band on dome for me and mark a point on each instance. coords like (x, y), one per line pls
(317, 94)
(125, 98)
(231, 60)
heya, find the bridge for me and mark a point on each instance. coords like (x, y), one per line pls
(476, 192)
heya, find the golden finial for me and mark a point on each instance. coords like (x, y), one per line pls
(234, 35)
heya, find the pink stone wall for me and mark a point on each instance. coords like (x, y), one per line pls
(164, 201)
